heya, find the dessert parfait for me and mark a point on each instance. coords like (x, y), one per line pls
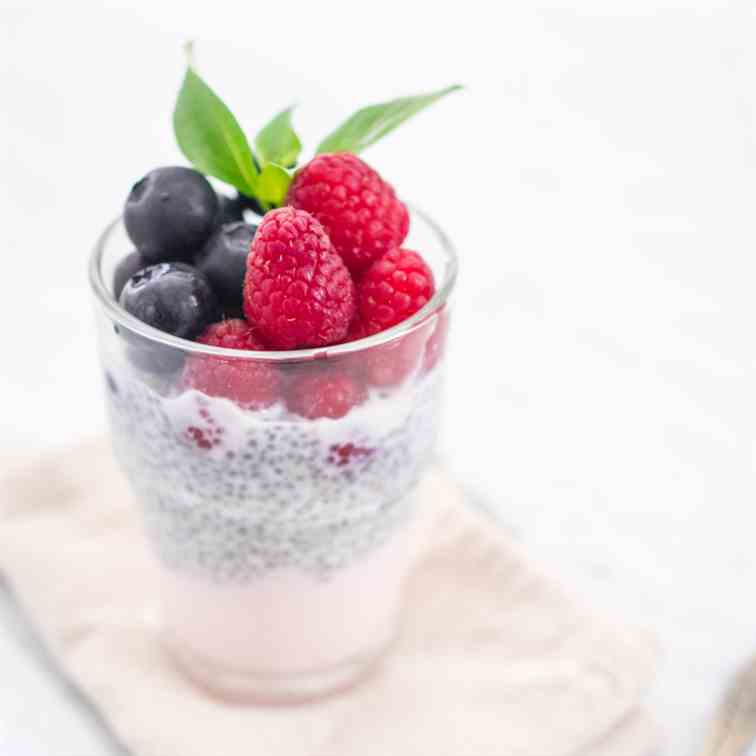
(272, 361)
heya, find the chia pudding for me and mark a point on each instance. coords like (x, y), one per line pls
(231, 495)
(268, 528)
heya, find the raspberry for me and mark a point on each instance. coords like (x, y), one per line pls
(356, 329)
(390, 364)
(324, 393)
(231, 334)
(386, 365)
(358, 208)
(246, 382)
(297, 291)
(393, 288)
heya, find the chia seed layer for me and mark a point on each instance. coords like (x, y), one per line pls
(232, 494)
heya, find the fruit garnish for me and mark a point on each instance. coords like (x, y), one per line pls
(170, 213)
(126, 268)
(393, 288)
(172, 297)
(360, 211)
(223, 260)
(211, 138)
(327, 227)
(356, 329)
(297, 291)
(230, 210)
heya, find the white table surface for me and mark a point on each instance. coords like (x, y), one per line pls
(598, 178)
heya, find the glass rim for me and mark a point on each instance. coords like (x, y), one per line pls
(118, 315)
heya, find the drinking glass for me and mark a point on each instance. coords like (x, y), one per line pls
(281, 541)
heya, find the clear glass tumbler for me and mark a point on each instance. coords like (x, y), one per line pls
(282, 542)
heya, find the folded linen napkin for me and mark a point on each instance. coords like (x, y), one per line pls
(494, 658)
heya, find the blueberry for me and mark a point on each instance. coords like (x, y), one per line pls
(170, 213)
(223, 260)
(232, 209)
(250, 203)
(173, 297)
(154, 359)
(229, 210)
(125, 269)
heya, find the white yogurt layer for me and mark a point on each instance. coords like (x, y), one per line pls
(378, 416)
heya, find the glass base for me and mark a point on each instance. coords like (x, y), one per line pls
(270, 688)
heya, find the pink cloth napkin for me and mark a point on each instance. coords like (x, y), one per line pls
(495, 659)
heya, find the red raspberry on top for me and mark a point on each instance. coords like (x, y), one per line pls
(297, 290)
(393, 288)
(248, 383)
(324, 392)
(356, 330)
(359, 210)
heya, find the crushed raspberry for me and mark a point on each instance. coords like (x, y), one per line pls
(203, 438)
(342, 454)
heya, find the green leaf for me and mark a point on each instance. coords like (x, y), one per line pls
(210, 137)
(273, 184)
(277, 142)
(368, 125)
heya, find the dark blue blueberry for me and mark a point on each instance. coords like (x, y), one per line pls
(223, 260)
(125, 269)
(170, 213)
(229, 210)
(250, 203)
(173, 297)
(156, 359)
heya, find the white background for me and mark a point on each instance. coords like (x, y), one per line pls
(597, 175)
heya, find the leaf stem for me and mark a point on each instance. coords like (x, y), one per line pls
(189, 53)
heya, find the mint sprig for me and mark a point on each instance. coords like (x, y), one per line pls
(210, 136)
(213, 141)
(273, 184)
(373, 122)
(277, 142)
